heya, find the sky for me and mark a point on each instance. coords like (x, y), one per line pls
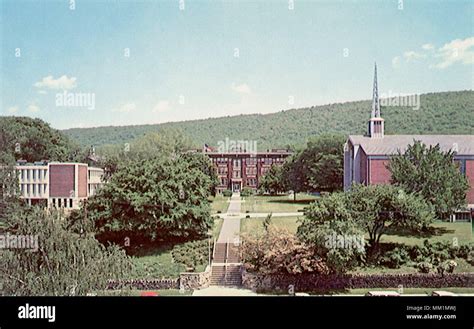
(80, 63)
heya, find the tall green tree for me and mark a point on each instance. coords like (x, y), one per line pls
(329, 226)
(272, 181)
(322, 162)
(34, 140)
(376, 208)
(58, 261)
(159, 199)
(293, 175)
(433, 174)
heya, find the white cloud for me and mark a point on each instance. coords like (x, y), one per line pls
(396, 61)
(427, 46)
(161, 106)
(456, 51)
(33, 108)
(413, 56)
(12, 109)
(241, 89)
(125, 108)
(62, 82)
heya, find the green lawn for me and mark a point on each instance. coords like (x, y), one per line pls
(428, 291)
(217, 227)
(219, 203)
(135, 292)
(255, 225)
(442, 231)
(280, 203)
(156, 263)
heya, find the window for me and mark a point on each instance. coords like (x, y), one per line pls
(59, 203)
(251, 171)
(70, 203)
(462, 166)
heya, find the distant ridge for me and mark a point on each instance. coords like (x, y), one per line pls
(440, 113)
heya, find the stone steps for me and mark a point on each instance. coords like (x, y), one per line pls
(229, 275)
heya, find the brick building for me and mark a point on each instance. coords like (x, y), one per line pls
(366, 157)
(60, 185)
(239, 169)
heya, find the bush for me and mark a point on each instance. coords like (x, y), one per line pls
(396, 257)
(279, 251)
(246, 191)
(446, 267)
(192, 254)
(227, 193)
(435, 253)
(425, 267)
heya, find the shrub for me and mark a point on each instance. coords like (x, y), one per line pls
(279, 251)
(396, 257)
(446, 267)
(425, 267)
(227, 193)
(246, 191)
(435, 253)
(192, 254)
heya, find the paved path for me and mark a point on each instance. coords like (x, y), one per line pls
(231, 225)
(223, 291)
(261, 214)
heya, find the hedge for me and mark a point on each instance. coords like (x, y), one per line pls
(315, 282)
(143, 284)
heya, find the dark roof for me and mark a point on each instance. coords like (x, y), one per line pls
(390, 144)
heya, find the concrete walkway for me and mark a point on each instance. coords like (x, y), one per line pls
(223, 291)
(231, 225)
(261, 214)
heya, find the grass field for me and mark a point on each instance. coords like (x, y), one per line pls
(157, 262)
(135, 292)
(441, 231)
(405, 291)
(219, 203)
(154, 263)
(255, 225)
(279, 203)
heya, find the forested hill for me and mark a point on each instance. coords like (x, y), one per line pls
(439, 113)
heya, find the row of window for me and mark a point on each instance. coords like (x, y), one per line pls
(248, 161)
(250, 181)
(33, 189)
(62, 203)
(249, 171)
(34, 174)
(95, 174)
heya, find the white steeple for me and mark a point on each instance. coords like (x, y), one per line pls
(376, 123)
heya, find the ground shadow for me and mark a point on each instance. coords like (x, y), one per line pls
(426, 232)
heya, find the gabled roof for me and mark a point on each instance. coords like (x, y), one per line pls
(390, 144)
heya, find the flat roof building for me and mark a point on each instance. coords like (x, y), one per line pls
(241, 169)
(57, 184)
